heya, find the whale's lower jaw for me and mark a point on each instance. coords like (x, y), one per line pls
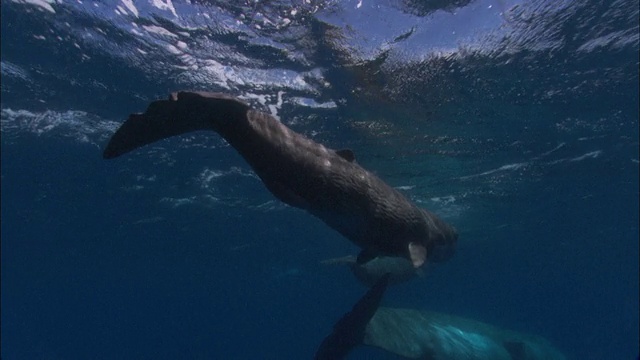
(418, 254)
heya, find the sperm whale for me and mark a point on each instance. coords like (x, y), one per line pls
(326, 183)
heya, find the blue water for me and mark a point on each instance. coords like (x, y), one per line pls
(515, 121)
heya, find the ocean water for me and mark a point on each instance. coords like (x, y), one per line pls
(515, 121)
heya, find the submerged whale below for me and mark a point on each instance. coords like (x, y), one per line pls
(415, 334)
(327, 183)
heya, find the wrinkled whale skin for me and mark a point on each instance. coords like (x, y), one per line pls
(300, 172)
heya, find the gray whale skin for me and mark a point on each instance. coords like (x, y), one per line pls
(327, 183)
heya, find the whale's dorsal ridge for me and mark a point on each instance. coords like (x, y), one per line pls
(347, 154)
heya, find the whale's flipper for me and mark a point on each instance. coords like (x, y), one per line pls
(181, 113)
(416, 253)
(348, 332)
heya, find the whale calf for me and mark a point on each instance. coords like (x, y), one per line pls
(328, 184)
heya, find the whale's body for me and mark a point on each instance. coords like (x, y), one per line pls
(417, 334)
(300, 172)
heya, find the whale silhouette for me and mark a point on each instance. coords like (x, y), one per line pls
(418, 334)
(327, 183)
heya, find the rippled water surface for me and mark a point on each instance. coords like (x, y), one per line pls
(515, 121)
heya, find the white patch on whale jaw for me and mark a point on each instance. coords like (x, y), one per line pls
(418, 254)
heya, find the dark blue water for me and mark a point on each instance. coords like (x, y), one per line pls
(515, 121)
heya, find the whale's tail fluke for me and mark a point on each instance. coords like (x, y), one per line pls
(348, 332)
(183, 112)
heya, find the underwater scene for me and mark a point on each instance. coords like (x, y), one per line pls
(320, 179)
